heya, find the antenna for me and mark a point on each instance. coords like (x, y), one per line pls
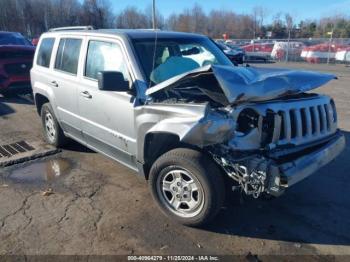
(156, 36)
(154, 14)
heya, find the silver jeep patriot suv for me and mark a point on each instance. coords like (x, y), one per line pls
(174, 108)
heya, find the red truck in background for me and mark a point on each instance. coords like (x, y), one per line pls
(16, 58)
(258, 51)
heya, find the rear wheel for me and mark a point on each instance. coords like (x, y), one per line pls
(187, 186)
(53, 133)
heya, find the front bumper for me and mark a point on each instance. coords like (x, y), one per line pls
(15, 83)
(290, 173)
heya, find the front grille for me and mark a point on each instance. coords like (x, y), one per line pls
(302, 121)
(18, 68)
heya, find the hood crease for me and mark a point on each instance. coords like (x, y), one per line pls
(245, 84)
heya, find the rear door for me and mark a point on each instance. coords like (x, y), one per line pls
(65, 81)
(107, 116)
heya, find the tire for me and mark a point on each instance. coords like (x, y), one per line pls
(52, 131)
(187, 176)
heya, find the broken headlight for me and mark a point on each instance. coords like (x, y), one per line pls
(248, 119)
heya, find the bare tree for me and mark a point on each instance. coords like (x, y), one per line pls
(259, 15)
(96, 13)
(131, 17)
(199, 20)
(32, 17)
(172, 22)
(278, 27)
(255, 21)
(289, 21)
(160, 21)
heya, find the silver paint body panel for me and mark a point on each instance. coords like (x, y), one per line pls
(116, 124)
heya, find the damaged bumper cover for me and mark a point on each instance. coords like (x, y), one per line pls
(257, 174)
(290, 173)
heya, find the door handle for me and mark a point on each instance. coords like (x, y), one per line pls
(86, 94)
(54, 83)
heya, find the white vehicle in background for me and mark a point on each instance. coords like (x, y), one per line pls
(321, 52)
(198, 54)
(304, 53)
(343, 55)
(281, 49)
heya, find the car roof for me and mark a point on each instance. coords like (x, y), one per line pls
(9, 33)
(129, 33)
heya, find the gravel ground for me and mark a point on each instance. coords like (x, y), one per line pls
(80, 202)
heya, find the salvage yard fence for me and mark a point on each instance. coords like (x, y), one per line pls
(310, 50)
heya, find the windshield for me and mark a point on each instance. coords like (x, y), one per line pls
(175, 56)
(13, 39)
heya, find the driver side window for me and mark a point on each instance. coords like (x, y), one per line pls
(104, 56)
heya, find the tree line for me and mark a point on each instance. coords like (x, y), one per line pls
(32, 17)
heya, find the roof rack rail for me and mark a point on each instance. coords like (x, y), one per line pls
(71, 28)
(149, 29)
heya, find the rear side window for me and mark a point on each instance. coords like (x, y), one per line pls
(44, 53)
(67, 58)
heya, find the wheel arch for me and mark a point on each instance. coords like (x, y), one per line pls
(40, 100)
(157, 144)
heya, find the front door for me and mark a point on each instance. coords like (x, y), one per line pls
(107, 116)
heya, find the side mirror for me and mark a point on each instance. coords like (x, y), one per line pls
(112, 81)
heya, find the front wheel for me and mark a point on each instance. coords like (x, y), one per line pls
(187, 186)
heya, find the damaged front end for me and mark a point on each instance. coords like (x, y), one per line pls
(258, 173)
(259, 125)
(280, 142)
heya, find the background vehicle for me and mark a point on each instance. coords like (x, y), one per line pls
(343, 54)
(16, 56)
(282, 49)
(321, 52)
(196, 53)
(258, 51)
(35, 41)
(235, 54)
(190, 126)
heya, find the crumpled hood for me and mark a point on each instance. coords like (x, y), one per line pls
(232, 85)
